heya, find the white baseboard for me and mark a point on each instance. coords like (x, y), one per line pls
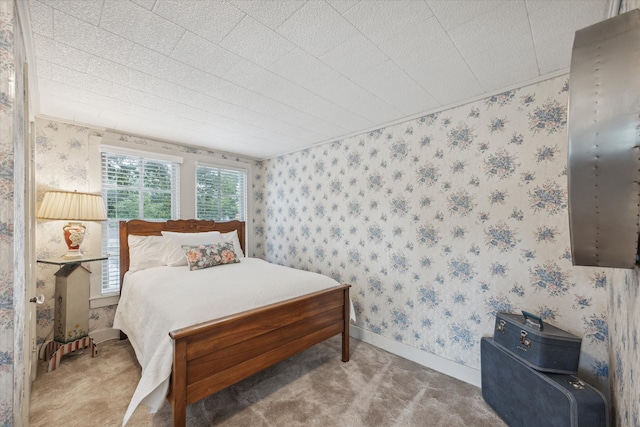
(437, 363)
(102, 335)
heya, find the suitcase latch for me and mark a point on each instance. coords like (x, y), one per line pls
(501, 326)
(524, 340)
(576, 383)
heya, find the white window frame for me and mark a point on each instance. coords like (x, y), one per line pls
(113, 297)
(246, 171)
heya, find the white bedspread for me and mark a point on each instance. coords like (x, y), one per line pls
(162, 299)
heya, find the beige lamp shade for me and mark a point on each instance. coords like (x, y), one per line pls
(72, 206)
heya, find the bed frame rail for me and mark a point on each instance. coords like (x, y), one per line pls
(211, 356)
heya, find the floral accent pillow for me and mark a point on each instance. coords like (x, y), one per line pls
(209, 255)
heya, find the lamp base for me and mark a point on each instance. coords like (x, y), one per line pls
(73, 255)
(73, 236)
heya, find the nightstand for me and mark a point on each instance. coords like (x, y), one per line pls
(71, 325)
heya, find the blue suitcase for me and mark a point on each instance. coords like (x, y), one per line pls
(541, 346)
(525, 397)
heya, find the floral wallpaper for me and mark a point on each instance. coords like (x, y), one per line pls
(624, 341)
(12, 217)
(61, 161)
(441, 221)
(7, 73)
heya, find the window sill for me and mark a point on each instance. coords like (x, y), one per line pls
(104, 300)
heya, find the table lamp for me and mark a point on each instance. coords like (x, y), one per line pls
(74, 207)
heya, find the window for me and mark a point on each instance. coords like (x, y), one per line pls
(134, 187)
(220, 193)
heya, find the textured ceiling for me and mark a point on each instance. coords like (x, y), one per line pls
(264, 77)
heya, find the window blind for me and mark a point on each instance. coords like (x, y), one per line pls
(220, 193)
(134, 187)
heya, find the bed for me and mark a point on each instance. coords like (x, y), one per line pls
(215, 353)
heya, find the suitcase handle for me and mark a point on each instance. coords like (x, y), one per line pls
(527, 319)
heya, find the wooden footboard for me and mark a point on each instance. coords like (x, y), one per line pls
(216, 354)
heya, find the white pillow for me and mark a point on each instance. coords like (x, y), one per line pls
(146, 252)
(232, 237)
(175, 256)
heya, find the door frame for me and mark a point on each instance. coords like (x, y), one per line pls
(30, 320)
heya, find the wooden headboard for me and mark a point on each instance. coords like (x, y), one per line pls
(149, 228)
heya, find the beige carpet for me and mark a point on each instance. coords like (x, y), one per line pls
(313, 388)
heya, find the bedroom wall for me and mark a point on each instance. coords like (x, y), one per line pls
(65, 154)
(62, 163)
(624, 347)
(12, 217)
(440, 221)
